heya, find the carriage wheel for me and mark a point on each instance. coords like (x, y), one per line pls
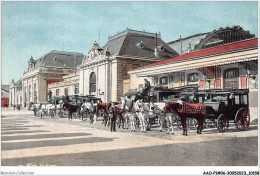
(242, 119)
(223, 123)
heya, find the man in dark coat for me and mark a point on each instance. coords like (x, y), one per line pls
(50, 95)
(145, 91)
(112, 113)
(66, 98)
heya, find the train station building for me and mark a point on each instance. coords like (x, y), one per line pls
(49, 68)
(104, 73)
(226, 59)
(15, 93)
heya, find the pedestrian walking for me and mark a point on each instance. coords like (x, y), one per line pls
(14, 107)
(91, 113)
(112, 114)
(18, 107)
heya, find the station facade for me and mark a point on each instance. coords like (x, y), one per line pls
(15, 93)
(104, 73)
(226, 58)
(48, 69)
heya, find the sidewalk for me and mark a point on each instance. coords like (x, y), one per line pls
(253, 113)
(11, 111)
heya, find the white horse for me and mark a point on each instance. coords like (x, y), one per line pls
(170, 118)
(142, 111)
(127, 105)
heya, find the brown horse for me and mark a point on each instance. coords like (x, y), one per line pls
(70, 108)
(105, 107)
(191, 110)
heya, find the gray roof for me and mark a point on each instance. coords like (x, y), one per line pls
(125, 43)
(210, 39)
(59, 59)
(5, 87)
(19, 83)
(182, 45)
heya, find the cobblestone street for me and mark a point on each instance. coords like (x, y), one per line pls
(28, 140)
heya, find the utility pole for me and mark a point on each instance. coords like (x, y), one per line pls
(156, 40)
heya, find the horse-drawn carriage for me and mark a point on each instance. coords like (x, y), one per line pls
(225, 106)
(221, 107)
(88, 107)
(40, 109)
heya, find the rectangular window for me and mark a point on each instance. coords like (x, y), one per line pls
(243, 99)
(57, 92)
(66, 91)
(237, 99)
(193, 77)
(76, 89)
(164, 80)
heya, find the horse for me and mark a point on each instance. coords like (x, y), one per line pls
(70, 108)
(127, 106)
(142, 112)
(184, 110)
(105, 107)
(157, 109)
(35, 108)
(120, 117)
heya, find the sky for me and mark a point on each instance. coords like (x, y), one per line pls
(34, 28)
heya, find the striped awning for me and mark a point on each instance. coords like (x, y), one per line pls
(195, 63)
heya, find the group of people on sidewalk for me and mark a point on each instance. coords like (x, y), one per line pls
(18, 107)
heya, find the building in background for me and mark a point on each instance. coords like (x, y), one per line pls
(210, 39)
(47, 69)
(5, 96)
(104, 73)
(70, 84)
(15, 93)
(196, 43)
(228, 66)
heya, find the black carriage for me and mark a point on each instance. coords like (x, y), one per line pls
(228, 105)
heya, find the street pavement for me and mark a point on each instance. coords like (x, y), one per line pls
(31, 141)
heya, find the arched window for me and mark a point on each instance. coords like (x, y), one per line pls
(193, 77)
(164, 80)
(231, 73)
(92, 83)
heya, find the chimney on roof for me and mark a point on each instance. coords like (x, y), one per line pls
(189, 48)
(181, 44)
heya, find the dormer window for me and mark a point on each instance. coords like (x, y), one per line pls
(161, 48)
(140, 45)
